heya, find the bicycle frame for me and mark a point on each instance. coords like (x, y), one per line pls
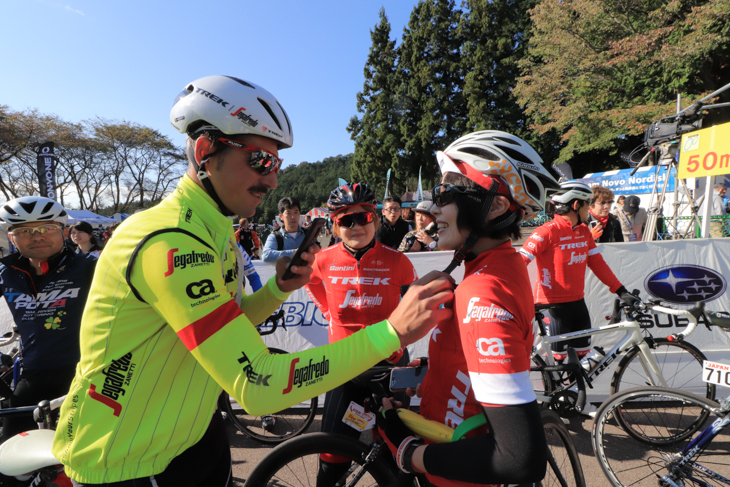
(632, 337)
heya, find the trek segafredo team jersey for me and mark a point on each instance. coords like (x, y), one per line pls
(351, 293)
(165, 326)
(482, 356)
(562, 252)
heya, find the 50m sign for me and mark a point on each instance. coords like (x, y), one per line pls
(705, 152)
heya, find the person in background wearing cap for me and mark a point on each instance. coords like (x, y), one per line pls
(718, 209)
(419, 240)
(45, 285)
(632, 218)
(167, 323)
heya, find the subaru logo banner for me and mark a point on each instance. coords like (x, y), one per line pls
(685, 284)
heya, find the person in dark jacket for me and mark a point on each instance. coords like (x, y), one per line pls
(604, 226)
(392, 227)
(45, 285)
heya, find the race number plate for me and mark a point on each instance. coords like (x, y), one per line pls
(357, 418)
(716, 373)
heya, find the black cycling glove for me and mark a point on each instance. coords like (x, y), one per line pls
(400, 440)
(627, 297)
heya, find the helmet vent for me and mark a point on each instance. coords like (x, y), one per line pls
(10, 210)
(532, 186)
(516, 155)
(47, 217)
(237, 80)
(483, 153)
(28, 207)
(47, 208)
(508, 141)
(288, 123)
(271, 113)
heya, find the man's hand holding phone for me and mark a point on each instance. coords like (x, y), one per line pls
(301, 273)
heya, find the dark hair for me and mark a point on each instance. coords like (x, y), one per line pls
(288, 203)
(470, 207)
(392, 199)
(86, 228)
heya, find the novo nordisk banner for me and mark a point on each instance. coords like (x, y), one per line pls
(47, 170)
(621, 182)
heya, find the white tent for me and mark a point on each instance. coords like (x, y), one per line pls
(89, 217)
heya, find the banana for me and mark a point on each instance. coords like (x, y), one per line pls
(425, 428)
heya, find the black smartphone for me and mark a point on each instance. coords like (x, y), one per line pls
(401, 378)
(309, 238)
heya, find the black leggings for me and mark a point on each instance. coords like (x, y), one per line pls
(205, 464)
(33, 387)
(565, 318)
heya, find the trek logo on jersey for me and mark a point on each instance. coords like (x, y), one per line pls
(197, 290)
(577, 258)
(367, 281)
(192, 259)
(245, 117)
(255, 378)
(342, 268)
(363, 301)
(455, 404)
(307, 375)
(118, 374)
(52, 299)
(485, 313)
(188, 215)
(576, 245)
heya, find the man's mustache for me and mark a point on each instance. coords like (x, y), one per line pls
(259, 189)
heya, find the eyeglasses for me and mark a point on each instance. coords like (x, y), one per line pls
(443, 194)
(604, 203)
(391, 210)
(24, 232)
(263, 161)
(362, 218)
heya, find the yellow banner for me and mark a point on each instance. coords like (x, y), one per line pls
(705, 152)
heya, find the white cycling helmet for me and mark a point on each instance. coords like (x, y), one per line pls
(572, 190)
(495, 153)
(233, 106)
(31, 209)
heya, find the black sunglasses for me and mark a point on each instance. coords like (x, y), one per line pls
(261, 160)
(444, 194)
(362, 218)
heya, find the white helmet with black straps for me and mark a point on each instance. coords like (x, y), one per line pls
(31, 209)
(232, 106)
(572, 190)
(495, 153)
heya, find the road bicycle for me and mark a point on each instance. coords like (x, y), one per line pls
(28, 456)
(296, 462)
(277, 427)
(645, 360)
(657, 449)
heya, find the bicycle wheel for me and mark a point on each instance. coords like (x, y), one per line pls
(272, 428)
(296, 462)
(564, 468)
(679, 362)
(658, 413)
(542, 381)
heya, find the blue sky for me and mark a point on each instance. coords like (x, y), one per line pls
(127, 60)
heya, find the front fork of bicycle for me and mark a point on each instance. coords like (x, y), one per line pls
(650, 365)
(358, 470)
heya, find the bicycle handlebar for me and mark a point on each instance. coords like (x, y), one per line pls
(8, 338)
(691, 314)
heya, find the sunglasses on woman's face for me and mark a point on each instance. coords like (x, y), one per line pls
(444, 194)
(362, 218)
(261, 160)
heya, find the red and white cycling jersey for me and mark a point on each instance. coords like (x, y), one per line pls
(562, 253)
(352, 294)
(482, 356)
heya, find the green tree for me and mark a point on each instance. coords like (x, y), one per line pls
(430, 87)
(600, 71)
(376, 134)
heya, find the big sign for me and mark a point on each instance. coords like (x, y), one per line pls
(705, 152)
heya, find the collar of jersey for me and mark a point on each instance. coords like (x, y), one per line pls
(209, 213)
(481, 259)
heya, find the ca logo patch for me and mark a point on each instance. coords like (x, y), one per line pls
(197, 290)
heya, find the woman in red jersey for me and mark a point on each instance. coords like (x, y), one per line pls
(354, 282)
(479, 362)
